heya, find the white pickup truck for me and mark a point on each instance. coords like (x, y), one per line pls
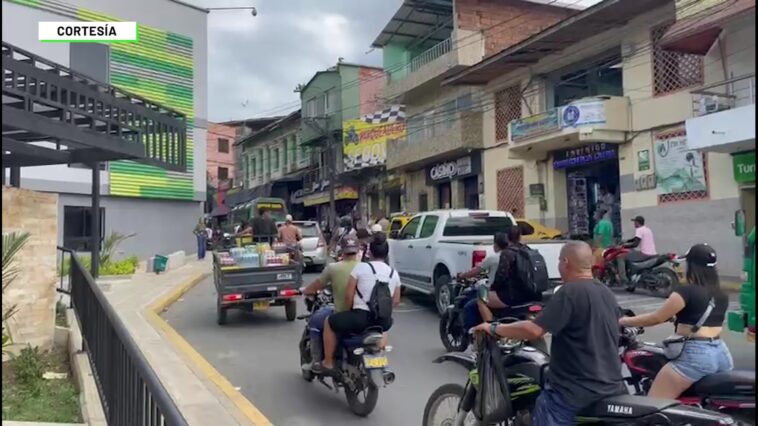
(434, 246)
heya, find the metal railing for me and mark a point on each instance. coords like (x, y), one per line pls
(721, 96)
(436, 51)
(130, 391)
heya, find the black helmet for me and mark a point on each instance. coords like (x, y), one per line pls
(345, 222)
(702, 255)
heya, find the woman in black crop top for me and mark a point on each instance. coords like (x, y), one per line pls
(704, 354)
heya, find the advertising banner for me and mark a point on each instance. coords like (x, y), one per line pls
(678, 168)
(535, 125)
(364, 140)
(583, 113)
(447, 171)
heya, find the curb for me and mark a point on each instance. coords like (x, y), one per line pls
(245, 407)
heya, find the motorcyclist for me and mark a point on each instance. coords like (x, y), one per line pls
(471, 316)
(703, 353)
(583, 320)
(346, 228)
(643, 240)
(337, 276)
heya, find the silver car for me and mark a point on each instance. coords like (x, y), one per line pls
(313, 243)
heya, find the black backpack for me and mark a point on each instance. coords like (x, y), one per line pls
(530, 270)
(380, 302)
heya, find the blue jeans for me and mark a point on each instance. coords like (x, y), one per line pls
(316, 326)
(471, 315)
(551, 409)
(201, 246)
(703, 358)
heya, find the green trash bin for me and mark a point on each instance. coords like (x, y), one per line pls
(159, 263)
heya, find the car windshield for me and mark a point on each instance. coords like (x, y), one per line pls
(309, 230)
(476, 226)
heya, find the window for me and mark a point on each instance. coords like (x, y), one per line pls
(77, 227)
(525, 227)
(276, 159)
(507, 109)
(673, 71)
(309, 230)
(248, 165)
(479, 226)
(409, 231)
(223, 145)
(430, 224)
(326, 102)
(423, 202)
(311, 108)
(223, 173)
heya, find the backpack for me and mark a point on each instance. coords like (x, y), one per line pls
(530, 271)
(380, 300)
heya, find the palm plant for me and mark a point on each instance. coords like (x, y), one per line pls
(12, 244)
(108, 251)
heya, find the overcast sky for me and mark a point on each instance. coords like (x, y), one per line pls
(255, 63)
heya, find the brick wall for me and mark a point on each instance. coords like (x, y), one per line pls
(520, 19)
(219, 159)
(33, 291)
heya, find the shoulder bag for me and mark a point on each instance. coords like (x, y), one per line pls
(674, 345)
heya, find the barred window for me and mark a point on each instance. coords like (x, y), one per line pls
(673, 71)
(507, 108)
(510, 190)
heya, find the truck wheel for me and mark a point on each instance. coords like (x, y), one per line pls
(221, 315)
(290, 310)
(442, 292)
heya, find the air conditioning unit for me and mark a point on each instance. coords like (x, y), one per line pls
(712, 104)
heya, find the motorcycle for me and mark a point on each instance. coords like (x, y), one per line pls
(731, 392)
(655, 273)
(525, 371)
(453, 333)
(361, 362)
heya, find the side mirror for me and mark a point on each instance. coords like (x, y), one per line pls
(394, 234)
(739, 223)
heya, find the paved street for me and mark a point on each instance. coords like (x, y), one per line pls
(258, 353)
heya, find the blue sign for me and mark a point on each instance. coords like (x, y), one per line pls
(584, 155)
(571, 115)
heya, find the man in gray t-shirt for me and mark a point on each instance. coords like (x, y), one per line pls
(471, 316)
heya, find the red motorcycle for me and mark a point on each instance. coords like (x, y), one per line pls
(731, 392)
(655, 273)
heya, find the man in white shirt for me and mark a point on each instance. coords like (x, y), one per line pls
(359, 289)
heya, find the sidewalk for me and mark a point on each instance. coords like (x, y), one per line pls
(198, 398)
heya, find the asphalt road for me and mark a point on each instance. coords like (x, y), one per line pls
(257, 352)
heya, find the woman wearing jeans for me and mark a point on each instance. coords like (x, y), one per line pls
(704, 353)
(202, 235)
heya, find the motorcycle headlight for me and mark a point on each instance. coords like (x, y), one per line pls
(358, 351)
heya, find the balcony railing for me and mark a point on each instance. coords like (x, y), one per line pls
(436, 51)
(724, 95)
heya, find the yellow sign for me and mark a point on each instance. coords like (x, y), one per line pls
(276, 206)
(365, 144)
(342, 193)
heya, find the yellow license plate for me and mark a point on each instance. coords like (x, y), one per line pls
(260, 305)
(375, 362)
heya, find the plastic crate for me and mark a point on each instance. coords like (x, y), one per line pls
(159, 263)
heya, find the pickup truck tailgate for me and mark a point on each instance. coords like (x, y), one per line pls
(268, 280)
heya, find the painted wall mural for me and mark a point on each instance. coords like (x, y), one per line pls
(160, 68)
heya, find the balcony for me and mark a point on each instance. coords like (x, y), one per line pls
(589, 120)
(427, 143)
(723, 116)
(442, 59)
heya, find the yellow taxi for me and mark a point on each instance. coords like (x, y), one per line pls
(532, 230)
(397, 222)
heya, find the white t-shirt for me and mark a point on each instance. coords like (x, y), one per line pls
(490, 265)
(366, 281)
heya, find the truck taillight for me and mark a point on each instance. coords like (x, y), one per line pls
(477, 257)
(289, 293)
(232, 297)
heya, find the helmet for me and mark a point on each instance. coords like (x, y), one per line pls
(345, 222)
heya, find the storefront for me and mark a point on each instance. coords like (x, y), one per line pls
(456, 182)
(345, 197)
(592, 184)
(744, 174)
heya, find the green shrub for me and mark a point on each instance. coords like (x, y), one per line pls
(29, 367)
(120, 267)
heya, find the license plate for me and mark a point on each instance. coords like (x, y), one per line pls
(260, 305)
(375, 361)
(280, 277)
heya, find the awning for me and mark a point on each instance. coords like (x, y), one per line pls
(697, 33)
(341, 193)
(418, 19)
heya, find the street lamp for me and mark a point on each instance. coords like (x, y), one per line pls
(253, 10)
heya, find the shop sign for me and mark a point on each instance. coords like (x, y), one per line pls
(454, 169)
(341, 193)
(744, 167)
(536, 189)
(678, 168)
(364, 140)
(584, 155)
(297, 197)
(535, 125)
(582, 114)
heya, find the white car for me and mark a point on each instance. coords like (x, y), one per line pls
(313, 243)
(435, 246)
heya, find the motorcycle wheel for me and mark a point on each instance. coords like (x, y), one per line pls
(665, 280)
(362, 407)
(442, 407)
(305, 357)
(454, 337)
(290, 310)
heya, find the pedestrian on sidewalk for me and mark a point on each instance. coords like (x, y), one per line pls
(201, 234)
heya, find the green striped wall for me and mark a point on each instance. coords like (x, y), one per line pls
(159, 67)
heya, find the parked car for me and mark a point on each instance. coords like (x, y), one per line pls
(435, 246)
(313, 243)
(532, 231)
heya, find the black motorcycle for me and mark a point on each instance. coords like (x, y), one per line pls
(452, 328)
(525, 370)
(361, 362)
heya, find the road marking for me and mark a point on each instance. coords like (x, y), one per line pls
(246, 408)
